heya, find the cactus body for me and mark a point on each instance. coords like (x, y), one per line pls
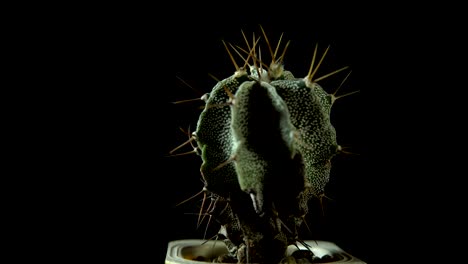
(266, 143)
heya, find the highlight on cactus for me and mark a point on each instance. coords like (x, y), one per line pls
(266, 143)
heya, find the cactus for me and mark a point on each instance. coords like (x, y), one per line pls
(266, 142)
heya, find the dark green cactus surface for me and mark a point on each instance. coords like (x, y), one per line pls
(266, 143)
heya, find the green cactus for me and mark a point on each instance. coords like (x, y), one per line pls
(266, 143)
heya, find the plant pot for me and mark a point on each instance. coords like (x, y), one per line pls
(190, 251)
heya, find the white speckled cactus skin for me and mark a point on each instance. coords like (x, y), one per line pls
(266, 144)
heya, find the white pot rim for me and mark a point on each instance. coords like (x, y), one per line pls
(186, 250)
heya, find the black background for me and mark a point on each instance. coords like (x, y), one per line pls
(385, 202)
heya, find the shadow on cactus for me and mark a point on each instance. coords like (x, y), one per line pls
(266, 144)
